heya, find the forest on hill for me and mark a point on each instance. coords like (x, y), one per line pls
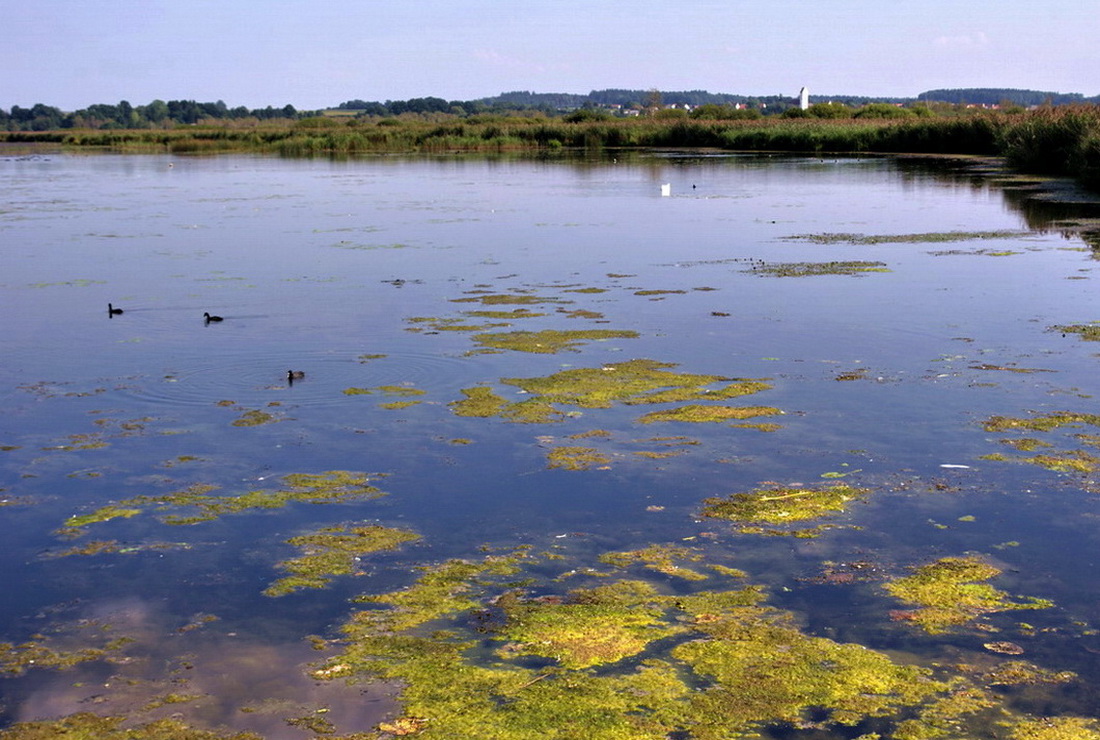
(999, 96)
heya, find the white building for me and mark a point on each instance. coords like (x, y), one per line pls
(804, 98)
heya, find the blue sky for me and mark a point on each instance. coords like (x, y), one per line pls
(318, 53)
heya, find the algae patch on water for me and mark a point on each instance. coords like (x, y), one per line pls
(661, 559)
(548, 341)
(570, 457)
(588, 627)
(634, 382)
(40, 653)
(708, 414)
(1087, 332)
(321, 488)
(780, 510)
(953, 591)
(477, 657)
(1063, 461)
(88, 726)
(813, 269)
(334, 551)
(936, 237)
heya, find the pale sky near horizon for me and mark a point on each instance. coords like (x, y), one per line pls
(319, 53)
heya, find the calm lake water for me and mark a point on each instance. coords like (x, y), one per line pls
(355, 273)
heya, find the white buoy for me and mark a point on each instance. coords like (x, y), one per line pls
(666, 190)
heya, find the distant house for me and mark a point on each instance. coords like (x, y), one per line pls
(804, 98)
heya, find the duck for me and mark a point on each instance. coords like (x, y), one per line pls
(208, 318)
(293, 375)
(112, 311)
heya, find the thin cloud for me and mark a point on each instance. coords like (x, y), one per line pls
(975, 40)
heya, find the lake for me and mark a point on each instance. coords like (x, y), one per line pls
(802, 447)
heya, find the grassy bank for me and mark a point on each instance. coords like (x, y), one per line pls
(1056, 141)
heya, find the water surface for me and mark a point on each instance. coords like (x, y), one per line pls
(884, 379)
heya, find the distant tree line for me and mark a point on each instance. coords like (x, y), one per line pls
(1000, 96)
(123, 115)
(162, 114)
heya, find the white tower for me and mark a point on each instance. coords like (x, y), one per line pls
(804, 98)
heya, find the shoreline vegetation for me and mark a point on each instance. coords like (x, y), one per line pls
(1056, 141)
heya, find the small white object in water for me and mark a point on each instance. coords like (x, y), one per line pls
(949, 465)
(666, 190)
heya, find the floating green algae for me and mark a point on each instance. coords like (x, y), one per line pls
(1071, 461)
(394, 405)
(329, 487)
(332, 552)
(1087, 332)
(1023, 673)
(783, 506)
(516, 313)
(1057, 728)
(633, 382)
(570, 457)
(102, 514)
(67, 644)
(88, 726)
(1026, 444)
(580, 313)
(548, 341)
(480, 402)
(499, 299)
(254, 418)
(393, 391)
(708, 414)
(813, 269)
(588, 627)
(81, 442)
(1064, 461)
(924, 238)
(618, 660)
(448, 324)
(659, 558)
(113, 547)
(952, 591)
(1044, 423)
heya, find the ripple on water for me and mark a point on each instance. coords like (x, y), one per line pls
(257, 380)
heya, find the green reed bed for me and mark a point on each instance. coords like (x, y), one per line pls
(1062, 141)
